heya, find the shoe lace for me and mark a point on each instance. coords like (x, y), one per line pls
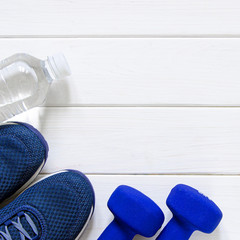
(18, 225)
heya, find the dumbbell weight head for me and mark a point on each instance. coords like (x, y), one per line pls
(191, 211)
(134, 213)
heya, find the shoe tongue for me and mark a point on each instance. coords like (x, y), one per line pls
(15, 233)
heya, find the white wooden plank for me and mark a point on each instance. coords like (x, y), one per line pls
(109, 17)
(141, 71)
(222, 190)
(140, 140)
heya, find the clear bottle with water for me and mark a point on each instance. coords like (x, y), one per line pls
(25, 80)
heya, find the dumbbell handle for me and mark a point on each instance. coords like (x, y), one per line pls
(175, 230)
(117, 231)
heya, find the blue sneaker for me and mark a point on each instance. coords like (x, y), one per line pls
(57, 207)
(23, 152)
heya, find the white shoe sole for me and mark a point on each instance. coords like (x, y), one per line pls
(85, 226)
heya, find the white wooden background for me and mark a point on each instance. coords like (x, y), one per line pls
(153, 100)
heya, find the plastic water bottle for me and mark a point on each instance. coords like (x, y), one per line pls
(25, 80)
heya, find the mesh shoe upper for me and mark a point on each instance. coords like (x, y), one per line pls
(59, 207)
(22, 152)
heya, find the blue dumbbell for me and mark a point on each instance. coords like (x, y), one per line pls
(191, 211)
(134, 214)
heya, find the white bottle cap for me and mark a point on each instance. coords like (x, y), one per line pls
(59, 65)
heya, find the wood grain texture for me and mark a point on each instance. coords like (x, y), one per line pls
(144, 75)
(124, 17)
(222, 190)
(140, 140)
(141, 72)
